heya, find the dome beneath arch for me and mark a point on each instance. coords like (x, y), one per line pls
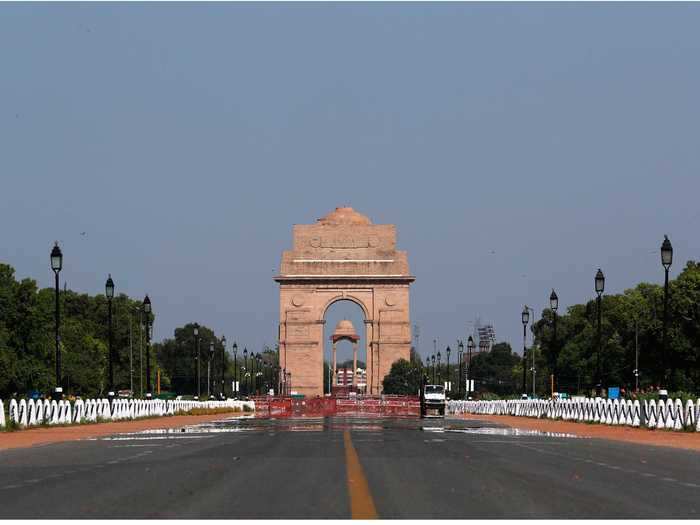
(344, 330)
(344, 215)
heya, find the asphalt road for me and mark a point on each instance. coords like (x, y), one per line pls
(348, 466)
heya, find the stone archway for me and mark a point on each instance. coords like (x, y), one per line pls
(342, 257)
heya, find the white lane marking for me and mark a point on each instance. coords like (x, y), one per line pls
(613, 467)
(11, 487)
(688, 484)
(35, 480)
(136, 445)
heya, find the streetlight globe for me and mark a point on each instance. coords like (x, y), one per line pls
(109, 287)
(448, 352)
(666, 253)
(147, 304)
(525, 315)
(235, 347)
(470, 343)
(460, 347)
(195, 330)
(599, 282)
(553, 301)
(56, 258)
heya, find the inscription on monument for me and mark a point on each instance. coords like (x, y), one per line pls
(344, 242)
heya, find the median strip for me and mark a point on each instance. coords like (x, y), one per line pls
(361, 502)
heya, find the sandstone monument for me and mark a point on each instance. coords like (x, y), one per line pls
(343, 257)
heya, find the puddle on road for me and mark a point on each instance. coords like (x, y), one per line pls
(500, 431)
(356, 423)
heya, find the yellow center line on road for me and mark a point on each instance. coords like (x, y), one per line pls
(361, 502)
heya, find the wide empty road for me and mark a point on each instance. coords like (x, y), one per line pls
(347, 467)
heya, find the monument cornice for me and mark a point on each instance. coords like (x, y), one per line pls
(326, 279)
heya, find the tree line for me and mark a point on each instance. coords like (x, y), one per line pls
(27, 347)
(631, 339)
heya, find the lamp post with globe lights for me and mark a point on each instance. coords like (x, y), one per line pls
(666, 261)
(211, 356)
(246, 381)
(56, 266)
(554, 305)
(525, 318)
(470, 349)
(147, 312)
(460, 358)
(109, 293)
(195, 331)
(223, 360)
(236, 388)
(439, 375)
(449, 382)
(599, 289)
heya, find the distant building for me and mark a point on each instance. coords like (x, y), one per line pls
(344, 377)
(486, 335)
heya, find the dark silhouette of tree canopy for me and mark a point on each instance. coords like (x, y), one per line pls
(403, 378)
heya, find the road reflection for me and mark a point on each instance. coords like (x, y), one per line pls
(353, 423)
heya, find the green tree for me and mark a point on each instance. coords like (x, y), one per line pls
(497, 371)
(403, 378)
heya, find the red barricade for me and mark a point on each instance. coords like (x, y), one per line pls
(329, 406)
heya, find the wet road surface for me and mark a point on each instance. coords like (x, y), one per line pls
(344, 467)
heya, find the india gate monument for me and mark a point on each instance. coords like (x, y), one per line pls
(343, 256)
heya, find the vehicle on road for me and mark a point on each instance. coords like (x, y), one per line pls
(434, 401)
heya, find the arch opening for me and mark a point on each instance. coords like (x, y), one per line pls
(345, 348)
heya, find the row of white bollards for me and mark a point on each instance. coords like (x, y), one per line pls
(28, 413)
(669, 414)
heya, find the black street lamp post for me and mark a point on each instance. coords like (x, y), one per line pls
(666, 260)
(211, 356)
(554, 305)
(147, 311)
(432, 357)
(245, 374)
(470, 348)
(460, 357)
(525, 318)
(236, 388)
(260, 368)
(439, 375)
(254, 366)
(109, 293)
(599, 289)
(223, 359)
(56, 265)
(449, 380)
(195, 331)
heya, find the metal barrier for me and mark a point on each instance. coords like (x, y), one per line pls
(330, 406)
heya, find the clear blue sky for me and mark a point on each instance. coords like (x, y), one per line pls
(185, 140)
